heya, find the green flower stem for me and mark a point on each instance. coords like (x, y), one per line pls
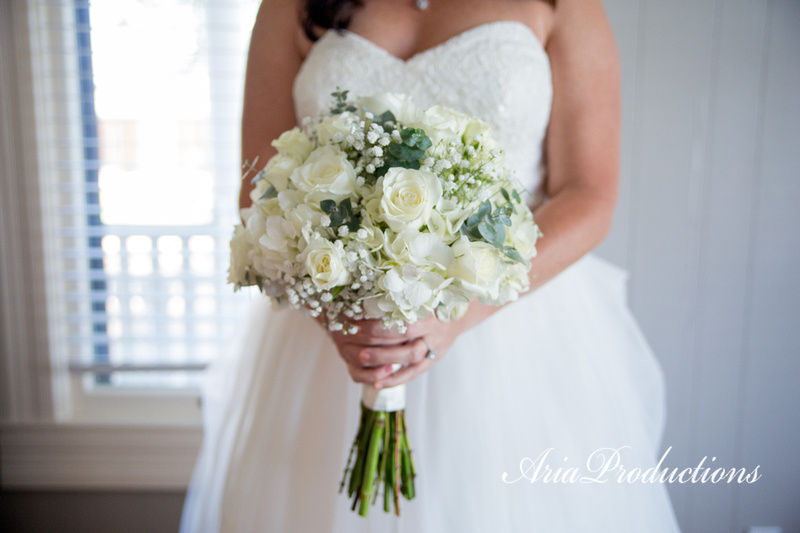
(381, 460)
(363, 442)
(387, 439)
(405, 441)
(407, 466)
(371, 466)
(398, 426)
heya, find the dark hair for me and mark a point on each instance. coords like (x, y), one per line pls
(335, 14)
(328, 14)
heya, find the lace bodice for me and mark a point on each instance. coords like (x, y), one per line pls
(497, 71)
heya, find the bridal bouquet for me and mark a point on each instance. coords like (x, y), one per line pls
(378, 209)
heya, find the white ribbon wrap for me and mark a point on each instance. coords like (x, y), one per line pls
(392, 399)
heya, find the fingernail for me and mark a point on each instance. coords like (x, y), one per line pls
(378, 386)
(364, 356)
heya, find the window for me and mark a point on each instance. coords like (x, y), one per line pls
(137, 107)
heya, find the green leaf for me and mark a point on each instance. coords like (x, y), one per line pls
(403, 152)
(513, 254)
(487, 232)
(504, 219)
(336, 219)
(516, 197)
(505, 195)
(336, 290)
(500, 234)
(484, 209)
(354, 223)
(415, 137)
(328, 206)
(271, 192)
(386, 116)
(345, 208)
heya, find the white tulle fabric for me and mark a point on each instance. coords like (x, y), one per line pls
(564, 368)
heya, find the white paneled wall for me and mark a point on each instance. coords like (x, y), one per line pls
(708, 223)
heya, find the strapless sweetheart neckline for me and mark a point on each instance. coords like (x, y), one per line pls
(449, 42)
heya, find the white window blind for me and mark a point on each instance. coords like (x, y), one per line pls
(138, 105)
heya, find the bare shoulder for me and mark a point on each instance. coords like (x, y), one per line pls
(279, 23)
(581, 27)
(277, 49)
(583, 137)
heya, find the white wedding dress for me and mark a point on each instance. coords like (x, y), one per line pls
(563, 369)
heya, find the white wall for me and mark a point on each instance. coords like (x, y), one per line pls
(708, 226)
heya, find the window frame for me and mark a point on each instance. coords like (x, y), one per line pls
(49, 437)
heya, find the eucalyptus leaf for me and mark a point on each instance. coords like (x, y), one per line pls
(354, 223)
(271, 192)
(258, 177)
(505, 195)
(487, 232)
(499, 234)
(484, 209)
(415, 137)
(386, 116)
(515, 195)
(345, 207)
(471, 232)
(328, 206)
(513, 254)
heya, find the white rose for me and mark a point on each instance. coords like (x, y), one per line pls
(293, 144)
(400, 105)
(341, 124)
(443, 124)
(421, 249)
(476, 127)
(326, 174)
(408, 197)
(276, 174)
(478, 266)
(324, 264)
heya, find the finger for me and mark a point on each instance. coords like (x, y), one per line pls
(375, 329)
(369, 375)
(404, 375)
(366, 337)
(351, 353)
(405, 354)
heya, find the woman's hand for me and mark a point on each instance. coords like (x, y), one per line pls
(370, 353)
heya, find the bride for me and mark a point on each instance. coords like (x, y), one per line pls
(525, 417)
